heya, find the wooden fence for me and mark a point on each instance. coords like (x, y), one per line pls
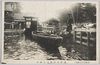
(86, 38)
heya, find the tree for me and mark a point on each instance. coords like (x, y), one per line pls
(15, 6)
(53, 22)
(81, 12)
(10, 9)
(86, 11)
(64, 16)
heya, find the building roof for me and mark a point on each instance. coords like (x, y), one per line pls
(18, 16)
(23, 15)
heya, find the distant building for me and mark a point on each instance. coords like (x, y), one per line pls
(44, 27)
(49, 29)
(39, 27)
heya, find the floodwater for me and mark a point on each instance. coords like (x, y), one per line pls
(26, 50)
(31, 50)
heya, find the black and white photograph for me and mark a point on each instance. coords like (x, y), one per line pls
(49, 31)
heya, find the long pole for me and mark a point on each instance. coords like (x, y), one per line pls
(73, 16)
(77, 13)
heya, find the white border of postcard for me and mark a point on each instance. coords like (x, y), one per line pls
(9, 61)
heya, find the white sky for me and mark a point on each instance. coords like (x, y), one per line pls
(45, 10)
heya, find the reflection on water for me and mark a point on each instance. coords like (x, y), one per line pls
(31, 50)
(26, 50)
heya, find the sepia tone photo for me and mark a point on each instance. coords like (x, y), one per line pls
(44, 31)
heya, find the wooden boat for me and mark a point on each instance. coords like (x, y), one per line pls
(50, 41)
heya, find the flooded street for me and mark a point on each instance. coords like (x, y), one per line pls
(49, 31)
(27, 50)
(31, 50)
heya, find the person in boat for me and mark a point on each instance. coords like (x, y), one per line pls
(69, 23)
(67, 36)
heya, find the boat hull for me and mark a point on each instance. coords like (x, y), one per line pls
(51, 43)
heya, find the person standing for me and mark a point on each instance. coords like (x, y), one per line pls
(69, 35)
(69, 23)
(67, 41)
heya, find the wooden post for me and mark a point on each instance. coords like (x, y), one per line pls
(20, 30)
(88, 39)
(88, 44)
(12, 30)
(74, 36)
(12, 34)
(12, 25)
(81, 40)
